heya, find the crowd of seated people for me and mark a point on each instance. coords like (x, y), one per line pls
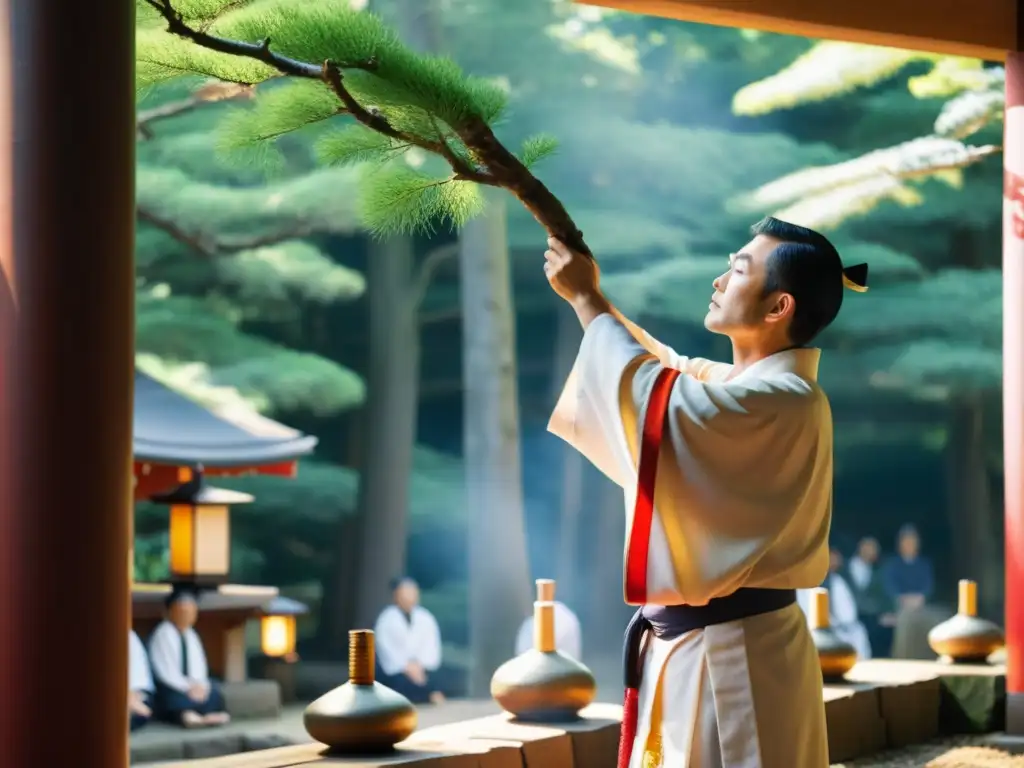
(170, 680)
(880, 604)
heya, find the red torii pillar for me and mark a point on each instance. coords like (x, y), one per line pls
(1013, 383)
(67, 168)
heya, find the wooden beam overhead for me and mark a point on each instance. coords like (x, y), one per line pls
(984, 29)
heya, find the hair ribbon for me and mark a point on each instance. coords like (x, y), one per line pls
(856, 278)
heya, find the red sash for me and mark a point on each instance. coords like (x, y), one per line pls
(647, 473)
(640, 533)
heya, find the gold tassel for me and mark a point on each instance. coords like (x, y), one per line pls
(654, 751)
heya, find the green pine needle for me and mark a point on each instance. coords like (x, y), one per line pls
(398, 199)
(332, 29)
(247, 134)
(357, 144)
(160, 56)
(537, 148)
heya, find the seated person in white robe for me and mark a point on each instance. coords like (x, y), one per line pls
(842, 608)
(408, 646)
(185, 694)
(727, 476)
(140, 683)
(568, 638)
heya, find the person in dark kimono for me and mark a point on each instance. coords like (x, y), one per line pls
(909, 582)
(908, 576)
(185, 694)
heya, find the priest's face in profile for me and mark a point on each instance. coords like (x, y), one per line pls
(740, 307)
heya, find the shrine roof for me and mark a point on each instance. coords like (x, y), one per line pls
(985, 29)
(169, 428)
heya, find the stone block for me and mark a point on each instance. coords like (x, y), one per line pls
(973, 698)
(540, 746)
(156, 751)
(854, 721)
(964, 698)
(213, 745)
(590, 742)
(909, 698)
(253, 699)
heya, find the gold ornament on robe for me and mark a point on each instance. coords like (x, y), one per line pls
(543, 684)
(362, 716)
(966, 638)
(835, 655)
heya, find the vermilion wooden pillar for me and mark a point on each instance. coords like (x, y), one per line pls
(1013, 384)
(67, 138)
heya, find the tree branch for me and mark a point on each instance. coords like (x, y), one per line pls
(498, 167)
(260, 51)
(373, 120)
(207, 94)
(431, 262)
(211, 246)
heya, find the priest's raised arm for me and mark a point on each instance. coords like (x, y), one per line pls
(743, 497)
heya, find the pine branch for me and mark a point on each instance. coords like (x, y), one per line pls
(208, 94)
(491, 163)
(211, 246)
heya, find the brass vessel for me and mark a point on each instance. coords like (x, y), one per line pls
(362, 716)
(543, 684)
(835, 655)
(965, 638)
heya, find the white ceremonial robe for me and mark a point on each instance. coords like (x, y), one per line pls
(842, 608)
(568, 635)
(140, 676)
(165, 657)
(743, 499)
(399, 640)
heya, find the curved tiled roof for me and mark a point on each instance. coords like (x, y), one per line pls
(169, 428)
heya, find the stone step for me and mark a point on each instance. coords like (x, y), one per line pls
(885, 704)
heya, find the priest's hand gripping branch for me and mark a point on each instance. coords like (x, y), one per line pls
(487, 161)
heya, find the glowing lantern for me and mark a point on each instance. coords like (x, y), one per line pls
(277, 635)
(200, 529)
(278, 628)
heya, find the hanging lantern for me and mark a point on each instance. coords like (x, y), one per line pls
(200, 529)
(278, 628)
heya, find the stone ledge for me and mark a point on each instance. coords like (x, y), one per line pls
(886, 704)
(167, 743)
(253, 699)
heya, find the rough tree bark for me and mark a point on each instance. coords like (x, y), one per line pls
(974, 520)
(499, 571)
(391, 405)
(372, 547)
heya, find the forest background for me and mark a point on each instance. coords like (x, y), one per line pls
(428, 365)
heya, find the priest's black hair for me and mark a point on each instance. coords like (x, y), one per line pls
(906, 530)
(808, 267)
(398, 581)
(179, 592)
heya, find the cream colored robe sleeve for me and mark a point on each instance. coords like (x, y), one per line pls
(743, 495)
(578, 419)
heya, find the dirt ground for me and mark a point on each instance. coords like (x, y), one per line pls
(961, 752)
